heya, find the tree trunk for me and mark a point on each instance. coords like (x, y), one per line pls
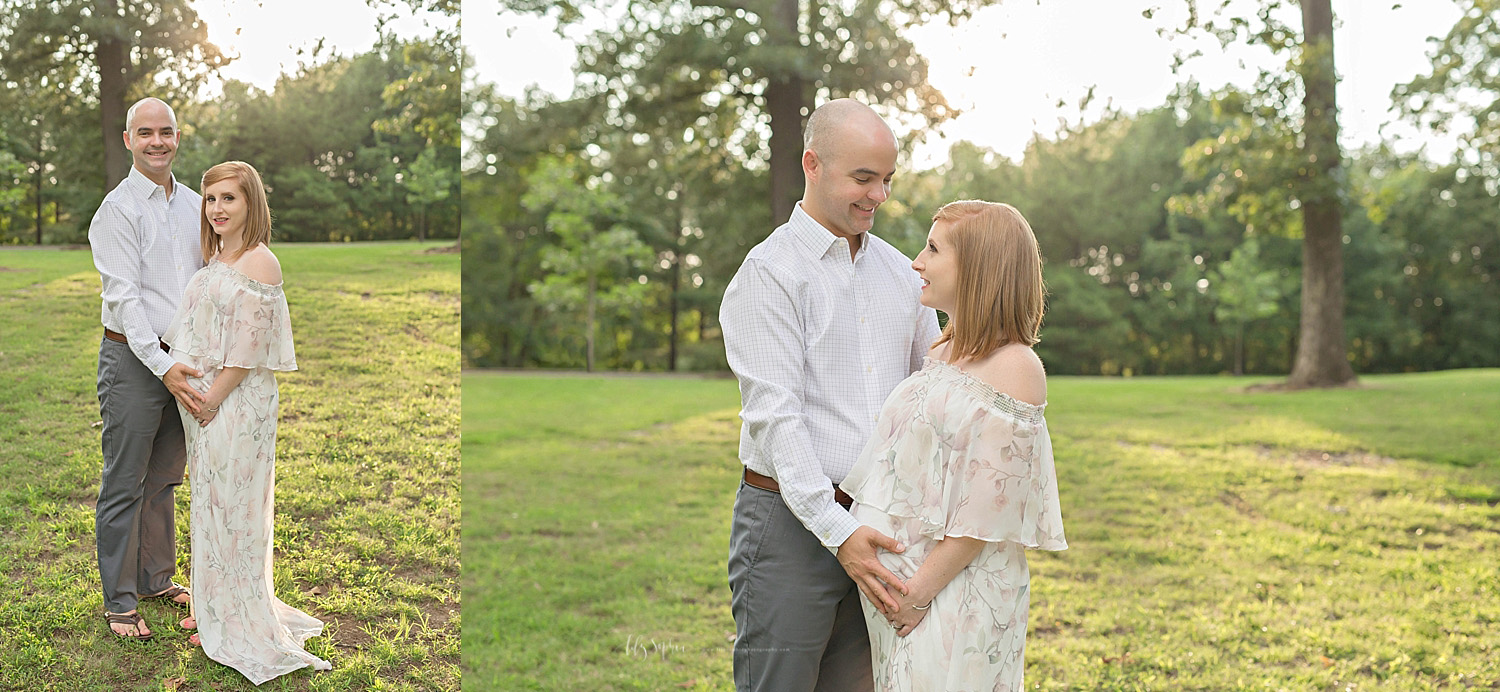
(111, 58)
(39, 167)
(1322, 359)
(676, 283)
(784, 102)
(1239, 349)
(588, 333)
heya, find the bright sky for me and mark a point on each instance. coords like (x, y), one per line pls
(1009, 66)
(266, 34)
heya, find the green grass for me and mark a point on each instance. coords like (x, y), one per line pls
(1220, 540)
(367, 501)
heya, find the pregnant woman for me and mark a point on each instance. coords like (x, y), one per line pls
(233, 325)
(960, 465)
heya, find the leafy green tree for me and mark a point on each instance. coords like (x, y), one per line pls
(592, 267)
(1428, 295)
(341, 161)
(788, 54)
(426, 102)
(13, 194)
(503, 324)
(429, 181)
(1247, 291)
(1283, 155)
(109, 53)
(1462, 93)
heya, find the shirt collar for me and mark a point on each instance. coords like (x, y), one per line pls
(145, 187)
(813, 236)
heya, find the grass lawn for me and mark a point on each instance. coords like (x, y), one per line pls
(367, 496)
(1220, 540)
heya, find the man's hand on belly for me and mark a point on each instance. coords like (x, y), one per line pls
(858, 557)
(177, 384)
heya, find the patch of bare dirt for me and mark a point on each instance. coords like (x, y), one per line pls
(1283, 386)
(1233, 499)
(1313, 458)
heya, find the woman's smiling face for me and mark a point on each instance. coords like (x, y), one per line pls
(937, 264)
(224, 207)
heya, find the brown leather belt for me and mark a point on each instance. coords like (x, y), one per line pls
(113, 335)
(764, 482)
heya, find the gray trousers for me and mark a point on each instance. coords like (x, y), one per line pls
(797, 614)
(145, 454)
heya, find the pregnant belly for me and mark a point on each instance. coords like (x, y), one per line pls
(905, 530)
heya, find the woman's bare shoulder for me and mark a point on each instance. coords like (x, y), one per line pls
(1014, 370)
(260, 263)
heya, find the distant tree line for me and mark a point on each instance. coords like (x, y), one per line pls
(362, 147)
(601, 230)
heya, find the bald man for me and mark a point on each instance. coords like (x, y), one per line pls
(146, 245)
(820, 323)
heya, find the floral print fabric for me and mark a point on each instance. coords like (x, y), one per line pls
(229, 319)
(950, 456)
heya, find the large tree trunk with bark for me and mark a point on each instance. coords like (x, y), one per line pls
(1321, 360)
(784, 103)
(112, 83)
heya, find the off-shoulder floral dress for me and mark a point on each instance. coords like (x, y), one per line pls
(950, 456)
(228, 319)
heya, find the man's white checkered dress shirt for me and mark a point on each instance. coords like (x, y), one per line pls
(146, 247)
(818, 341)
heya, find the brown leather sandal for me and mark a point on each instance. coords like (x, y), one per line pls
(133, 619)
(171, 594)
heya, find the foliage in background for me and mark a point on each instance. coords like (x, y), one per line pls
(1138, 228)
(361, 147)
(1462, 93)
(592, 268)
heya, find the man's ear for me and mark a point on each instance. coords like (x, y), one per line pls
(125, 134)
(810, 164)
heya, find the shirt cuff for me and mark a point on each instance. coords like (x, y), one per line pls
(834, 526)
(160, 363)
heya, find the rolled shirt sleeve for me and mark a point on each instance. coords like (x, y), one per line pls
(764, 344)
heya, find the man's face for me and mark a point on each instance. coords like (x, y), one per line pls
(845, 187)
(152, 139)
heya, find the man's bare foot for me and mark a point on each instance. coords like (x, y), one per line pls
(176, 594)
(129, 625)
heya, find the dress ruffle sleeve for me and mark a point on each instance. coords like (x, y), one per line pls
(964, 460)
(228, 319)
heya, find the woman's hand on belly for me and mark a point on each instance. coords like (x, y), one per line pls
(909, 612)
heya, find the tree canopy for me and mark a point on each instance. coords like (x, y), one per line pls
(1172, 237)
(358, 147)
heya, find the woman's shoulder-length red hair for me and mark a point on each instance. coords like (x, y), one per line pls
(258, 209)
(1000, 289)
